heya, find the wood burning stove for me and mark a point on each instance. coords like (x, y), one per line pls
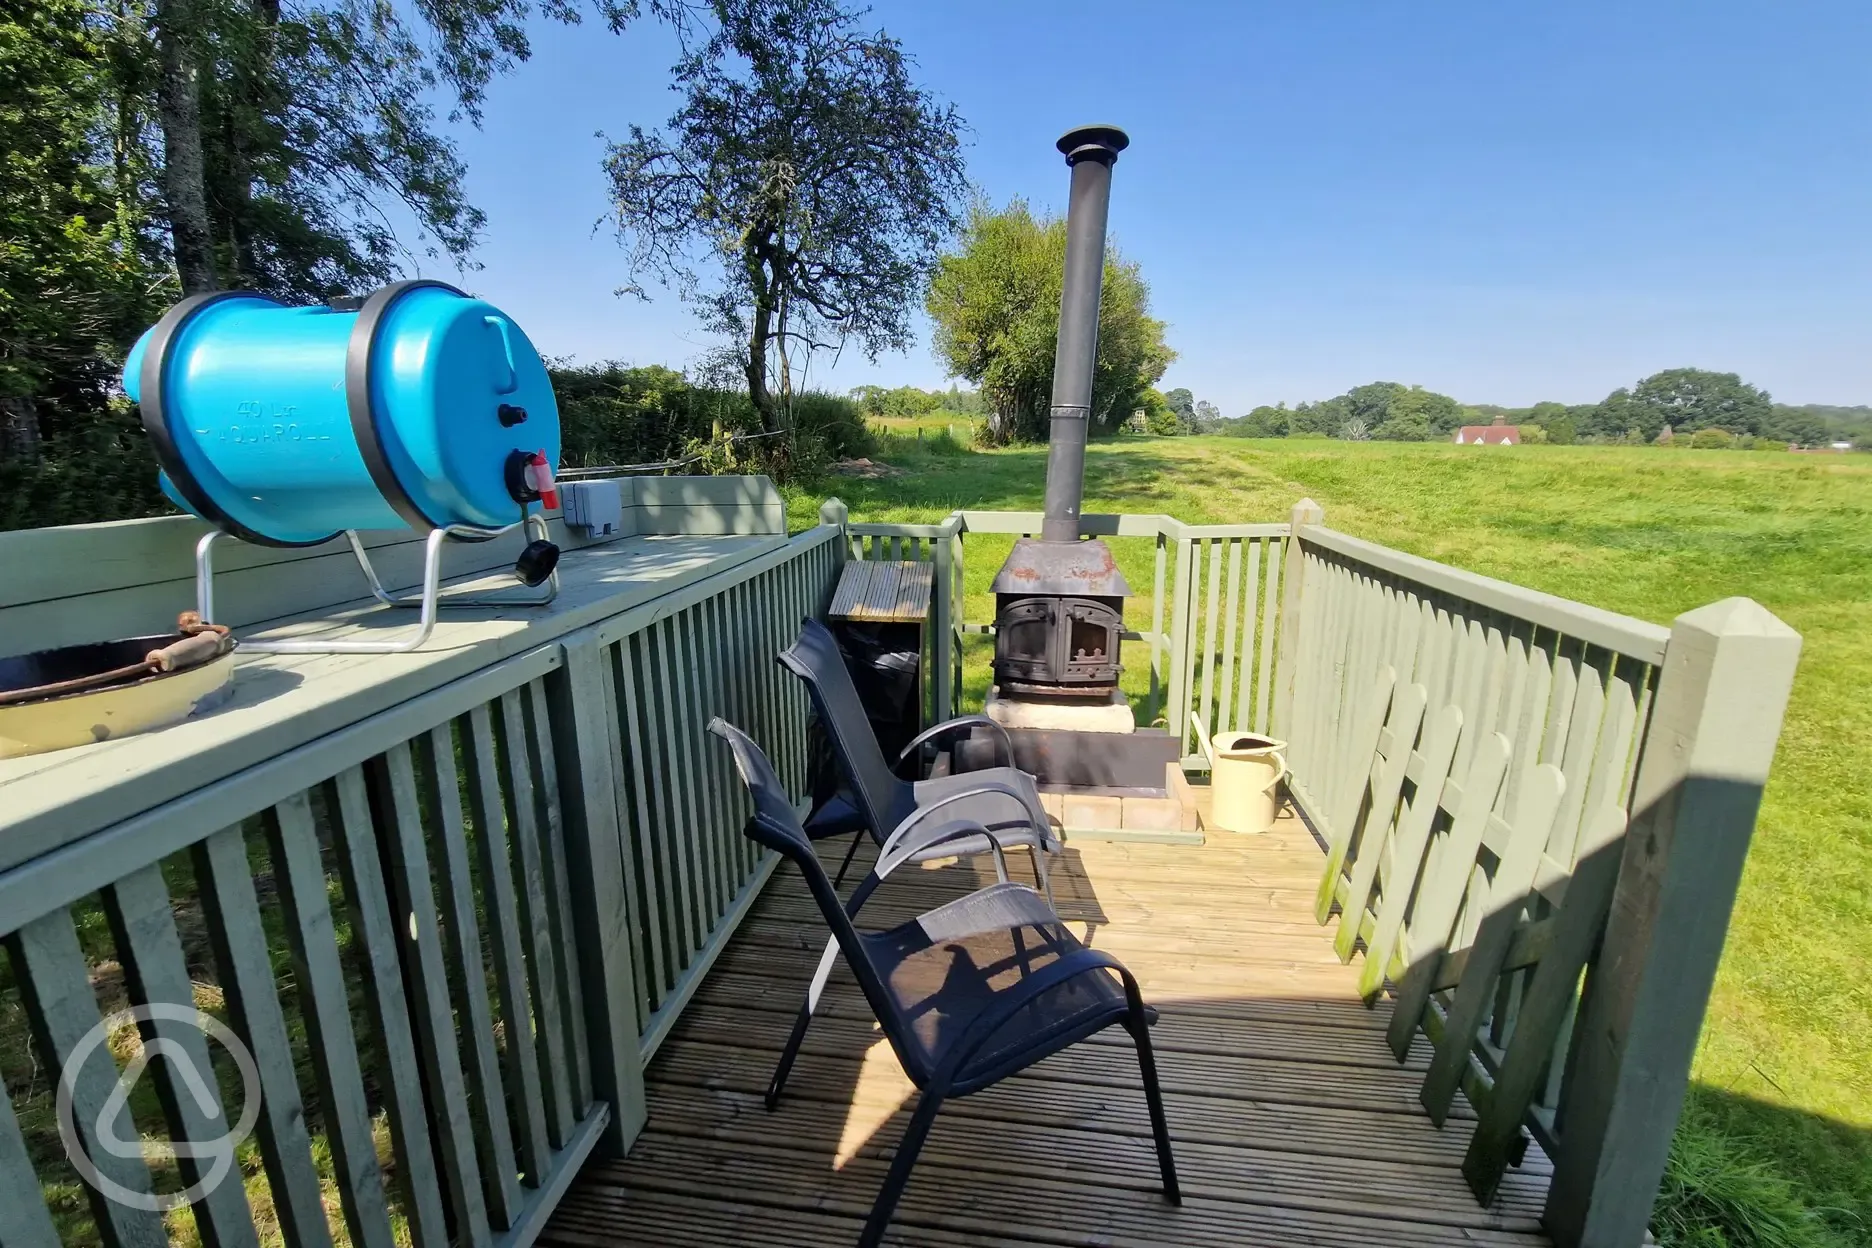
(1059, 616)
(1062, 646)
(1059, 601)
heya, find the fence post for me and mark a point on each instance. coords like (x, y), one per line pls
(585, 743)
(942, 637)
(1287, 643)
(1176, 714)
(1722, 689)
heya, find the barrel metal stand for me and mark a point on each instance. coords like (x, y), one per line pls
(429, 601)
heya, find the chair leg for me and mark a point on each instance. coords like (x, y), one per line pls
(849, 855)
(1153, 1097)
(787, 1055)
(1044, 876)
(899, 1177)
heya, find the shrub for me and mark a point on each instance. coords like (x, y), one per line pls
(1712, 440)
(611, 414)
(101, 469)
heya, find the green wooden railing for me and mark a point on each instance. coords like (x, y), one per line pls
(450, 932)
(1213, 608)
(1534, 812)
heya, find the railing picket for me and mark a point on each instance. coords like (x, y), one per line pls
(1471, 653)
(1180, 610)
(25, 1221)
(1270, 613)
(571, 989)
(1210, 620)
(1582, 739)
(1154, 704)
(1225, 720)
(1508, 895)
(397, 813)
(156, 973)
(639, 811)
(461, 938)
(381, 940)
(488, 806)
(62, 1007)
(1437, 900)
(239, 940)
(693, 627)
(1544, 1006)
(1403, 708)
(324, 1001)
(1413, 826)
(665, 778)
(536, 921)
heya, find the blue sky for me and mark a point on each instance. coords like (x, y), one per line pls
(1505, 202)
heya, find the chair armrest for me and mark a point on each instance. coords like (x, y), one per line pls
(956, 725)
(1035, 819)
(906, 843)
(897, 852)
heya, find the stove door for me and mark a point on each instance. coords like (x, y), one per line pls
(1025, 642)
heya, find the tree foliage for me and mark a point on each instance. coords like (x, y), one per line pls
(160, 147)
(1384, 410)
(800, 194)
(995, 303)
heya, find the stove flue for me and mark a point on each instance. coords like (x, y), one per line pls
(1059, 601)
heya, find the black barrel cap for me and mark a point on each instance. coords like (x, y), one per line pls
(536, 562)
(1093, 143)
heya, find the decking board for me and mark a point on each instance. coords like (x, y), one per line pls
(1292, 1123)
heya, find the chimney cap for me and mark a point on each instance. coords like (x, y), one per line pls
(1096, 142)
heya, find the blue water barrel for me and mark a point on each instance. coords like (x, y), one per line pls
(418, 406)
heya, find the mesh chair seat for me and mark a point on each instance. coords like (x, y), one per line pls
(943, 980)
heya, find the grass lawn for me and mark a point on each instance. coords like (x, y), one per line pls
(1781, 1113)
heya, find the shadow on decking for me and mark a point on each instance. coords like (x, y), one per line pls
(1293, 1124)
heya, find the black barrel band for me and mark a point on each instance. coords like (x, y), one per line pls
(364, 413)
(155, 414)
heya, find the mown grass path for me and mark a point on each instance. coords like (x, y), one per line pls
(1784, 1073)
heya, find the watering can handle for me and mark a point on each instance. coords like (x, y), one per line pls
(1280, 775)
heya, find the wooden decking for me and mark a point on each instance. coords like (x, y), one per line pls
(1293, 1124)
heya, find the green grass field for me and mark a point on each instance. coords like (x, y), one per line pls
(1777, 1142)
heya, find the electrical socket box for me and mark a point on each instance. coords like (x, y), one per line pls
(594, 506)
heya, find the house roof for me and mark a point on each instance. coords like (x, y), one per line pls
(1499, 435)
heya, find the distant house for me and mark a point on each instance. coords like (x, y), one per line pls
(1501, 433)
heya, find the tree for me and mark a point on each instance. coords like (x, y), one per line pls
(1207, 417)
(1182, 405)
(995, 305)
(286, 130)
(810, 168)
(1263, 422)
(1693, 399)
(79, 276)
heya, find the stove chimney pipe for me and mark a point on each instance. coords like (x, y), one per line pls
(1090, 151)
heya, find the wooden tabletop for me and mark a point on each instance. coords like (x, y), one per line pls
(883, 592)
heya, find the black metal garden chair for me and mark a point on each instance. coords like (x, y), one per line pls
(1002, 799)
(968, 993)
